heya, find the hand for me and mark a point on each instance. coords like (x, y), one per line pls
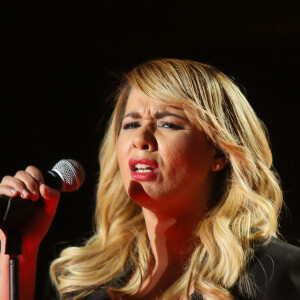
(29, 185)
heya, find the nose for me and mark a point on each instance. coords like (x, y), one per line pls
(144, 139)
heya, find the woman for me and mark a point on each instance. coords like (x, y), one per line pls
(187, 203)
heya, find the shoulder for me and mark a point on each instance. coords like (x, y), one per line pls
(280, 253)
(275, 270)
(100, 294)
(279, 249)
(277, 256)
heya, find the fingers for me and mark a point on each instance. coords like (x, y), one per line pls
(35, 173)
(51, 197)
(25, 183)
(7, 190)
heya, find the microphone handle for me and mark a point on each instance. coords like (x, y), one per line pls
(14, 213)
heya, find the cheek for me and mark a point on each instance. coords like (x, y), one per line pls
(179, 151)
(176, 161)
(188, 156)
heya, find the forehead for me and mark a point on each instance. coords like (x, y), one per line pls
(140, 102)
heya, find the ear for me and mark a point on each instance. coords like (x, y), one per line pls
(219, 161)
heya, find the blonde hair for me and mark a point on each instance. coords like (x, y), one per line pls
(245, 213)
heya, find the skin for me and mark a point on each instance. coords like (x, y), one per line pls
(175, 199)
(28, 185)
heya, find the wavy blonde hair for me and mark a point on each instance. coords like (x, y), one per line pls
(245, 213)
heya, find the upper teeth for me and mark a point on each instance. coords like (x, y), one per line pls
(142, 168)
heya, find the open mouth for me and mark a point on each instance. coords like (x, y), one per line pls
(143, 168)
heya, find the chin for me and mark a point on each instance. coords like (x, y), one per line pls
(139, 194)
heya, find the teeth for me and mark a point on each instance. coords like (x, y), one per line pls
(142, 168)
(143, 171)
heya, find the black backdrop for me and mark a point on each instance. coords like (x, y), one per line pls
(62, 59)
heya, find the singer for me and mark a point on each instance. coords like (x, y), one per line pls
(187, 203)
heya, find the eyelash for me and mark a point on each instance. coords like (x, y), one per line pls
(170, 125)
(132, 125)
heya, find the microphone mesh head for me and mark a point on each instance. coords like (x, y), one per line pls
(72, 174)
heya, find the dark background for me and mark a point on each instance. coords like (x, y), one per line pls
(61, 61)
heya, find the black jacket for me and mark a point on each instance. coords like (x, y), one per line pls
(275, 270)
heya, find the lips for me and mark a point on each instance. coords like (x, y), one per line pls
(143, 169)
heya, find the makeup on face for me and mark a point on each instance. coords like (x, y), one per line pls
(162, 151)
(143, 169)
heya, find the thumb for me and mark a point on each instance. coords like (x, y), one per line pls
(51, 197)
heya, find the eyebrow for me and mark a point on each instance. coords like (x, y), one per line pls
(157, 115)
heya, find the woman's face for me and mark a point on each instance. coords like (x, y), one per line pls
(165, 162)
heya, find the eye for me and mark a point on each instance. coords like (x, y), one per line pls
(131, 125)
(170, 125)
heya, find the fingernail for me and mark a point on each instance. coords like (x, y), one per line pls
(25, 194)
(12, 191)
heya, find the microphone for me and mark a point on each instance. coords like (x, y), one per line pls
(67, 175)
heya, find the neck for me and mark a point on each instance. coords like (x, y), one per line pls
(171, 244)
(170, 237)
